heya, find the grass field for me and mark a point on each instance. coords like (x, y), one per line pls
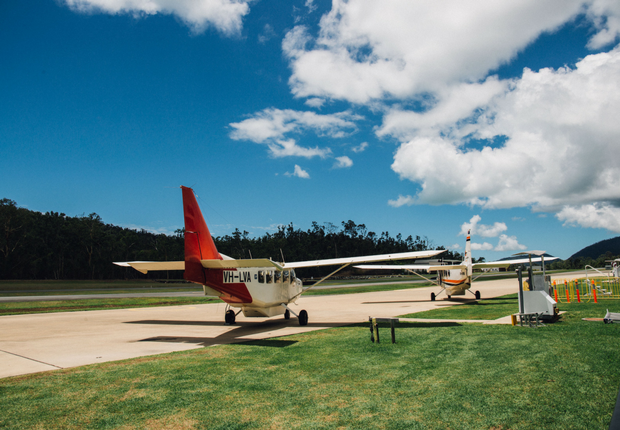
(437, 376)
(488, 309)
(20, 308)
(63, 286)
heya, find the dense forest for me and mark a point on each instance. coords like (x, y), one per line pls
(52, 245)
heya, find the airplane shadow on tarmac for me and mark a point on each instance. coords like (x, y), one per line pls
(242, 329)
(236, 335)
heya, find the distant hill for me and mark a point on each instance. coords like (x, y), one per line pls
(600, 248)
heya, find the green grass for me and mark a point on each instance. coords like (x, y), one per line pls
(61, 286)
(19, 308)
(437, 376)
(485, 309)
(490, 309)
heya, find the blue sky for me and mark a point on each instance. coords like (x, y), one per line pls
(419, 118)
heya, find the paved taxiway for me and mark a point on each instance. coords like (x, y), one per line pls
(40, 342)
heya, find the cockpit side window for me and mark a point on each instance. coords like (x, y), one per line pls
(269, 276)
(285, 276)
(261, 276)
(278, 276)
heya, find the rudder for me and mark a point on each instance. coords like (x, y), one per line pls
(199, 244)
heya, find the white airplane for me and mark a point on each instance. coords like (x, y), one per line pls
(256, 287)
(455, 279)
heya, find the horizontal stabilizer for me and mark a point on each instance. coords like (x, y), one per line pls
(148, 266)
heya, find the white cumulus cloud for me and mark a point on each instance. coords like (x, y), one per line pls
(225, 15)
(289, 148)
(369, 50)
(360, 148)
(271, 127)
(558, 134)
(596, 215)
(509, 243)
(299, 172)
(274, 123)
(542, 141)
(343, 162)
(486, 246)
(483, 230)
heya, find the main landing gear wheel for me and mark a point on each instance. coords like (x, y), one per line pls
(303, 318)
(229, 317)
(432, 297)
(449, 297)
(287, 314)
(477, 295)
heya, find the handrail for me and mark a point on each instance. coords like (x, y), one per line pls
(604, 274)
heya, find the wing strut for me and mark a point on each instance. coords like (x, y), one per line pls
(321, 280)
(421, 276)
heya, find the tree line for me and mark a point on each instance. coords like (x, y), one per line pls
(578, 263)
(52, 245)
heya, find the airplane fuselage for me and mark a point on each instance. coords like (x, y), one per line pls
(455, 281)
(258, 291)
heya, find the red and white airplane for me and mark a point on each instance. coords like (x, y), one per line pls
(256, 287)
(455, 279)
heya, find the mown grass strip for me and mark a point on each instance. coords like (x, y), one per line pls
(18, 308)
(62, 285)
(485, 309)
(436, 376)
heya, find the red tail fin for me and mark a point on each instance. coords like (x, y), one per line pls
(199, 244)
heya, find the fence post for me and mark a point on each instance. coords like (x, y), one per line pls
(375, 326)
(567, 293)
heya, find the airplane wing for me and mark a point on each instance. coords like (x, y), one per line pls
(393, 266)
(523, 260)
(147, 266)
(363, 259)
(432, 268)
(410, 267)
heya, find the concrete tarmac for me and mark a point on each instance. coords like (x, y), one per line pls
(41, 342)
